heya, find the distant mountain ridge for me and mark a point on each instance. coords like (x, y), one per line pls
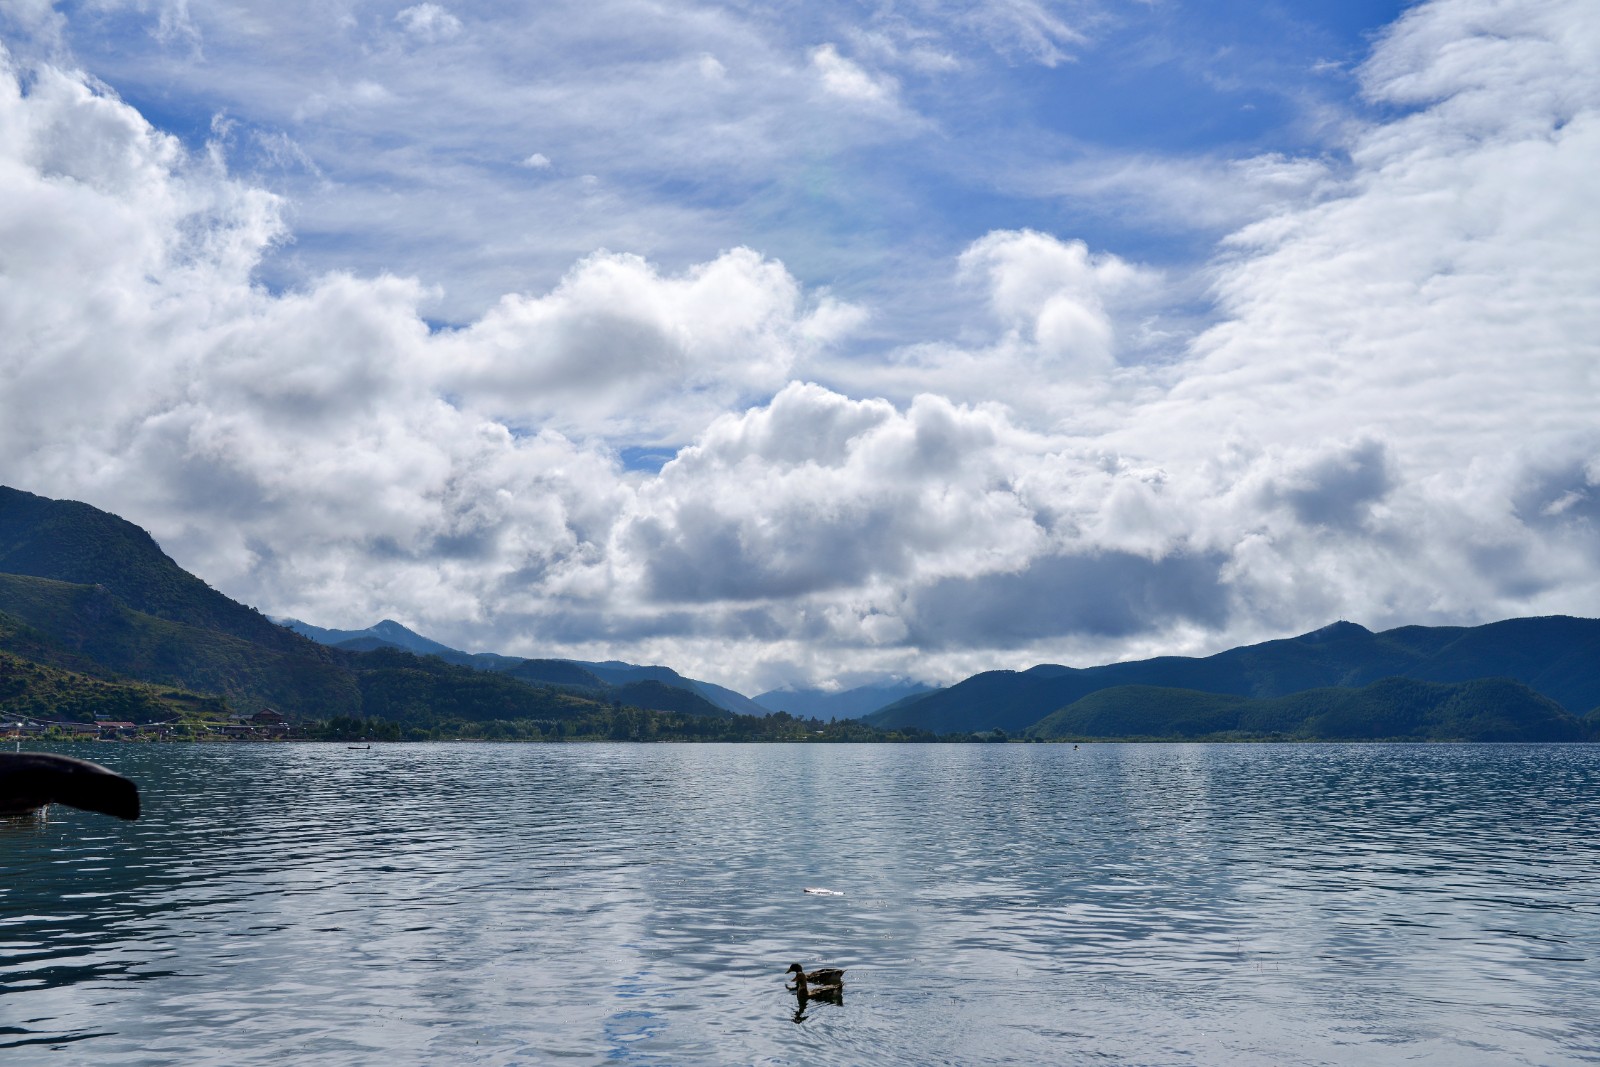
(93, 612)
(1557, 657)
(88, 628)
(68, 541)
(386, 633)
(91, 608)
(573, 673)
(841, 704)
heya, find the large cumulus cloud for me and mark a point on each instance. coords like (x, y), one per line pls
(1387, 415)
(617, 346)
(1399, 359)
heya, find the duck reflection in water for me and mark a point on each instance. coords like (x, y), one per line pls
(825, 984)
(804, 1001)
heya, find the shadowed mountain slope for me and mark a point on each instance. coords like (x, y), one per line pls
(602, 677)
(1398, 709)
(86, 593)
(1558, 657)
(68, 541)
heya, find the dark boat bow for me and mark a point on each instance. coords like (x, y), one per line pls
(30, 780)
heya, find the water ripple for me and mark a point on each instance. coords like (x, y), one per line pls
(1137, 904)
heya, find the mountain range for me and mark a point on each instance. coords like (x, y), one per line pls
(840, 703)
(1556, 658)
(808, 702)
(94, 614)
(579, 674)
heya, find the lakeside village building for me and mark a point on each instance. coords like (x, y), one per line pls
(267, 725)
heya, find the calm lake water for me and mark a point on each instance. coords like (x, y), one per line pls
(1016, 904)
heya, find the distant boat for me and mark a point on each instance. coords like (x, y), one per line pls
(31, 780)
(358, 746)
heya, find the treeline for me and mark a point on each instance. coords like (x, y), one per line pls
(620, 723)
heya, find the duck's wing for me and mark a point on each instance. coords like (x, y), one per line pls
(30, 780)
(826, 976)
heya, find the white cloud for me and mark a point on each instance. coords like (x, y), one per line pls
(1176, 193)
(848, 80)
(922, 33)
(40, 19)
(429, 22)
(1057, 324)
(711, 68)
(537, 161)
(361, 94)
(617, 347)
(1390, 418)
(1025, 26)
(1053, 295)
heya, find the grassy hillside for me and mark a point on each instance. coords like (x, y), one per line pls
(1403, 709)
(89, 629)
(68, 541)
(39, 691)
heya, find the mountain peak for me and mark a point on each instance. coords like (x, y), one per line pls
(389, 626)
(1336, 631)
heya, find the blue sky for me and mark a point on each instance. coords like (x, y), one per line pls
(802, 343)
(999, 117)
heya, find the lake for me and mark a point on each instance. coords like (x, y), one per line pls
(638, 904)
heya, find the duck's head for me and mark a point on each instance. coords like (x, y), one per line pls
(795, 968)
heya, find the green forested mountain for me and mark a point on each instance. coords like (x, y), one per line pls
(67, 541)
(623, 674)
(1557, 657)
(406, 688)
(659, 696)
(94, 617)
(1393, 709)
(555, 672)
(89, 628)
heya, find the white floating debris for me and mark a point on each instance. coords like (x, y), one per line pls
(814, 891)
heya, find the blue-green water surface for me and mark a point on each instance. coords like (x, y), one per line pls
(638, 904)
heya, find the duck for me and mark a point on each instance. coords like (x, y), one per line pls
(821, 980)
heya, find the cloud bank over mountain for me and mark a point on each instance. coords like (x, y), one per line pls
(1369, 395)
